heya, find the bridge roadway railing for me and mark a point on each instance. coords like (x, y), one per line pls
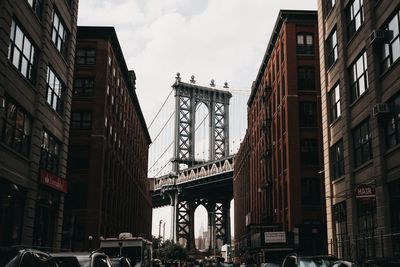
(196, 173)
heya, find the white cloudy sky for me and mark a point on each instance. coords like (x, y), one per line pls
(220, 39)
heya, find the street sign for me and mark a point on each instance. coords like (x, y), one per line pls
(275, 237)
(365, 192)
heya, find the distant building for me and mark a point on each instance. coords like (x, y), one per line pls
(360, 90)
(37, 47)
(277, 182)
(109, 190)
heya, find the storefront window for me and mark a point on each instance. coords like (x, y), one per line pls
(366, 227)
(12, 200)
(45, 217)
(394, 192)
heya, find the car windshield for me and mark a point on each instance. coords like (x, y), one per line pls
(71, 261)
(316, 262)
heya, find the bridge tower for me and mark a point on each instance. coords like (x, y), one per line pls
(187, 97)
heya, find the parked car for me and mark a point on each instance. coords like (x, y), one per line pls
(382, 262)
(296, 260)
(81, 259)
(342, 263)
(24, 257)
(270, 264)
(121, 262)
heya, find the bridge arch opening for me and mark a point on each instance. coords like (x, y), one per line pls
(201, 228)
(202, 133)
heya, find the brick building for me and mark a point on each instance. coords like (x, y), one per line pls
(277, 180)
(109, 190)
(36, 66)
(360, 85)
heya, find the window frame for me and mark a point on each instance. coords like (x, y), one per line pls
(86, 57)
(355, 78)
(54, 96)
(362, 133)
(50, 152)
(310, 153)
(86, 89)
(59, 39)
(305, 48)
(387, 60)
(37, 7)
(29, 71)
(329, 8)
(392, 123)
(332, 50)
(351, 17)
(337, 160)
(12, 128)
(82, 122)
(335, 111)
(306, 78)
(307, 119)
(310, 191)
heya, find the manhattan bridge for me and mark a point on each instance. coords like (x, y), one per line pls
(196, 133)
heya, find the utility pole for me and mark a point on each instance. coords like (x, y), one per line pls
(159, 228)
(163, 235)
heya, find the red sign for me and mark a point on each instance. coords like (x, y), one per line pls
(365, 192)
(53, 181)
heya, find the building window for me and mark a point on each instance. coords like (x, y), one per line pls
(86, 56)
(81, 120)
(305, 44)
(59, 34)
(309, 152)
(310, 191)
(54, 91)
(329, 4)
(306, 78)
(22, 52)
(340, 229)
(78, 157)
(391, 49)
(358, 77)
(362, 143)
(37, 6)
(337, 160)
(393, 123)
(50, 153)
(334, 103)
(331, 49)
(355, 17)
(83, 87)
(15, 126)
(308, 114)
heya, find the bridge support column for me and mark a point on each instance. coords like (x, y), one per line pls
(227, 220)
(211, 228)
(174, 198)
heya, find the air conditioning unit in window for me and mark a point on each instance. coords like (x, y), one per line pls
(380, 36)
(380, 109)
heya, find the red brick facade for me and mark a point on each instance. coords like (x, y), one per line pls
(109, 144)
(283, 143)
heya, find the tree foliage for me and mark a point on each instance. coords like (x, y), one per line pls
(172, 251)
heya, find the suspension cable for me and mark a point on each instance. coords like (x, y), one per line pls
(165, 125)
(162, 106)
(162, 154)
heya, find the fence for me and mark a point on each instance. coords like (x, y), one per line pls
(361, 247)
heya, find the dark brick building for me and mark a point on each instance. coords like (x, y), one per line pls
(109, 190)
(37, 48)
(360, 89)
(277, 181)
